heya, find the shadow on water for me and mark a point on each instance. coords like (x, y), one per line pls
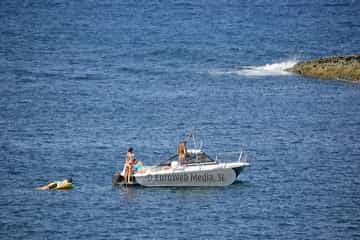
(242, 183)
(138, 192)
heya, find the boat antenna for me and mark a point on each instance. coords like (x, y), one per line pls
(192, 136)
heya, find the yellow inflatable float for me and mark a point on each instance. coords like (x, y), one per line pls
(58, 185)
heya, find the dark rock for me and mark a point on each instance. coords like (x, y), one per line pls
(335, 67)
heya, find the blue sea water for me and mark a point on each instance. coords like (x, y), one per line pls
(81, 81)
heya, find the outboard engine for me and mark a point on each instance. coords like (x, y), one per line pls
(117, 178)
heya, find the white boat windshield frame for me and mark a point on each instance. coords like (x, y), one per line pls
(193, 156)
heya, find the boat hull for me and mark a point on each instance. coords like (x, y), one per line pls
(212, 175)
(196, 178)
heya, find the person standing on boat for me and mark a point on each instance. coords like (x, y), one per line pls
(129, 162)
(181, 151)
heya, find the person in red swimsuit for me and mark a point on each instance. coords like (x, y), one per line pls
(129, 163)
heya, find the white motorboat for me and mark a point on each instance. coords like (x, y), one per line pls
(198, 170)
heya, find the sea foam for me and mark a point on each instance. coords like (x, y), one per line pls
(273, 69)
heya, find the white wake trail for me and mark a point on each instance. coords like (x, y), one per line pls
(273, 69)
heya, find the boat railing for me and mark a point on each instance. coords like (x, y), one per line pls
(230, 156)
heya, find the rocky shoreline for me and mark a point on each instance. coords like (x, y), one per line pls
(335, 67)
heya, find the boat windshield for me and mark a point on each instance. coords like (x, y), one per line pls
(191, 158)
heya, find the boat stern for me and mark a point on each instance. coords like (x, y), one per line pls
(118, 179)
